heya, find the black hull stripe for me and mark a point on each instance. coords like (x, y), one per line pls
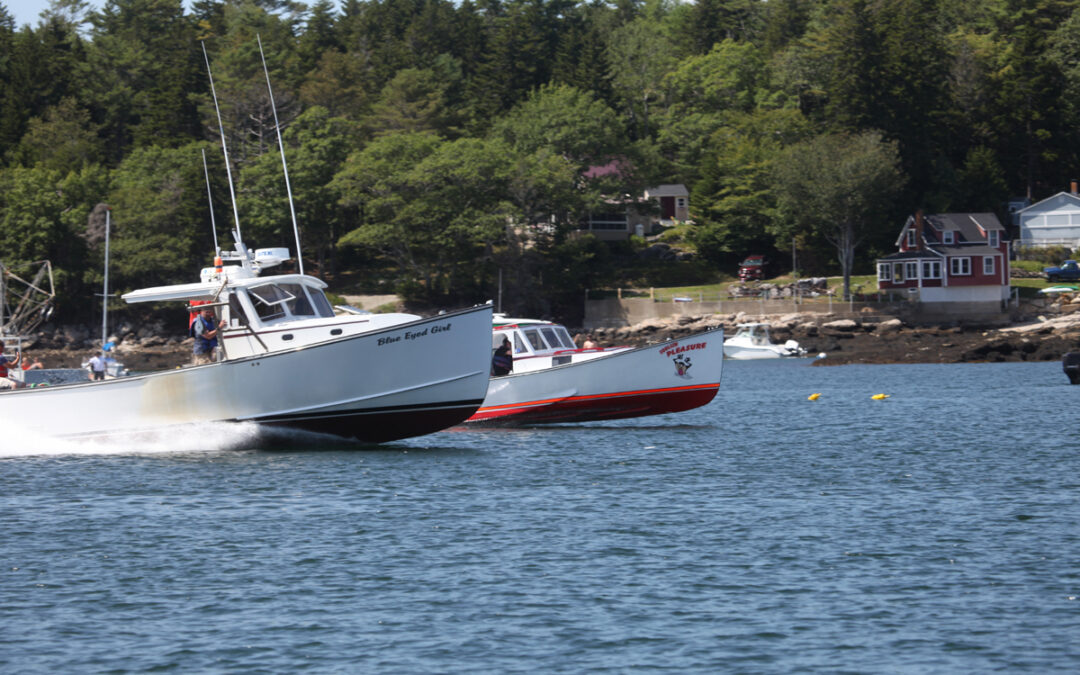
(386, 410)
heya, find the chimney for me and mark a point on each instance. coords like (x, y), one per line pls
(1072, 186)
(918, 230)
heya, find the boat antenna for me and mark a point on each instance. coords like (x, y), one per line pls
(210, 198)
(105, 288)
(284, 166)
(224, 149)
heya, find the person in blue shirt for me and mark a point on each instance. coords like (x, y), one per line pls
(205, 332)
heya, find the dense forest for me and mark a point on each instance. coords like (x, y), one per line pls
(440, 149)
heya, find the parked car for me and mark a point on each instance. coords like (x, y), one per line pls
(1069, 271)
(752, 268)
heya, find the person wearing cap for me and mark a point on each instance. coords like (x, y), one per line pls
(205, 332)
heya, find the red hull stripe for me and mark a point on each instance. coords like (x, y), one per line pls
(599, 406)
(640, 392)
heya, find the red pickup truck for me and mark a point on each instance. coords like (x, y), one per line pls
(752, 268)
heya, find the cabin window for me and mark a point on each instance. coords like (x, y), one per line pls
(931, 269)
(551, 337)
(519, 346)
(237, 316)
(992, 238)
(988, 265)
(322, 305)
(269, 301)
(884, 272)
(567, 341)
(911, 270)
(299, 305)
(960, 267)
(537, 342)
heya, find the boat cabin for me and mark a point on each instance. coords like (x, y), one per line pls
(536, 344)
(266, 314)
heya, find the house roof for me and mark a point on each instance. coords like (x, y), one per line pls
(674, 190)
(616, 167)
(967, 224)
(967, 250)
(1061, 196)
(912, 255)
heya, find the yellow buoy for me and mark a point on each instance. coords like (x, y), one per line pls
(813, 397)
(880, 397)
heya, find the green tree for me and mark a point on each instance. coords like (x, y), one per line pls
(161, 225)
(733, 204)
(64, 139)
(316, 148)
(430, 206)
(140, 69)
(638, 59)
(564, 120)
(839, 186)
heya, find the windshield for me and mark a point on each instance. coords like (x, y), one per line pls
(276, 301)
(269, 301)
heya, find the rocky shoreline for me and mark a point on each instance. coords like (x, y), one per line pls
(878, 339)
(871, 339)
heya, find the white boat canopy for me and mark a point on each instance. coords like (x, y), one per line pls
(207, 291)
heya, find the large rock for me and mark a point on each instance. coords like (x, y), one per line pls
(841, 325)
(889, 326)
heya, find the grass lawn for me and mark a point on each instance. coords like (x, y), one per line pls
(860, 284)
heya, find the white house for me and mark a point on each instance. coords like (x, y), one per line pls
(1055, 221)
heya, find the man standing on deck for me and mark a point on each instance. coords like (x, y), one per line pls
(205, 332)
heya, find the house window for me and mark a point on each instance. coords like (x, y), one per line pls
(947, 237)
(898, 272)
(931, 269)
(988, 265)
(884, 272)
(911, 270)
(992, 238)
(607, 221)
(960, 267)
(680, 202)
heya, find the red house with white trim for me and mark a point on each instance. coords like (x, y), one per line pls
(949, 258)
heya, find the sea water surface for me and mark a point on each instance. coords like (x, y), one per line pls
(935, 531)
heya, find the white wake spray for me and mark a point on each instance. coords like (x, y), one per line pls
(207, 437)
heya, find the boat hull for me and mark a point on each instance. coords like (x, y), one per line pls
(741, 353)
(668, 377)
(402, 381)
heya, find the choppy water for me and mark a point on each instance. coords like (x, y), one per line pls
(936, 531)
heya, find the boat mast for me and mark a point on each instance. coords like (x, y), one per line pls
(284, 166)
(210, 199)
(3, 301)
(105, 288)
(232, 193)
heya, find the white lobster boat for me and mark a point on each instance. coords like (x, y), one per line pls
(286, 359)
(555, 381)
(752, 341)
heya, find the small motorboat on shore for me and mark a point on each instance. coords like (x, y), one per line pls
(553, 380)
(751, 341)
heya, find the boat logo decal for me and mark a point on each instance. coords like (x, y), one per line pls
(677, 352)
